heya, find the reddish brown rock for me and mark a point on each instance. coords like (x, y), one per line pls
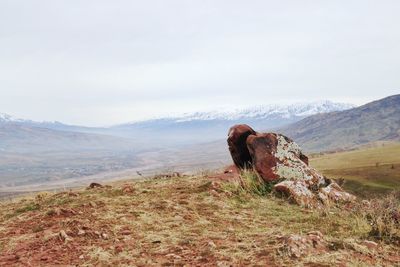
(237, 137)
(370, 244)
(262, 148)
(94, 185)
(128, 188)
(229, 173)
(232, 169)
(276, 157)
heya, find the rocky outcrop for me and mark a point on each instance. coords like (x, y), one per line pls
(278, 159)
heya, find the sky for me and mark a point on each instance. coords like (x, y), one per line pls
(100, 62)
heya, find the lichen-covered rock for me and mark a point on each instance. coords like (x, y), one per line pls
(298, 192)
(334, 193)
(277, 158)
(297, 246)
(237, 137)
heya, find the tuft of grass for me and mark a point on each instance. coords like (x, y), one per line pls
(29, 207)
(249, 183)
(115, 192)
(100, 256)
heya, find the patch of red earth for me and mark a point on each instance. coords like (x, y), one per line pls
(230, 173)
(64, 238)
(47, 245)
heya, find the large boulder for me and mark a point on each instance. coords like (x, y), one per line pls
(237, 137)
(278, 159)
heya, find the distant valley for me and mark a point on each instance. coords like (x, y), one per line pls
(56, 153)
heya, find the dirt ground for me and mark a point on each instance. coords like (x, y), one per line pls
(180, 221)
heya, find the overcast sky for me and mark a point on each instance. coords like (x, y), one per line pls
(106, 62)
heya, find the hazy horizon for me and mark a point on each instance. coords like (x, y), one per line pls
(99, 63)
(220, 110)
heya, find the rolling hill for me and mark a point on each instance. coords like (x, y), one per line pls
(19, 137)
(368, 171)
(35, 155)
(375, 121)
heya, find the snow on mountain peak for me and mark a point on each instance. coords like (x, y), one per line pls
(7, 118)
(264, 111)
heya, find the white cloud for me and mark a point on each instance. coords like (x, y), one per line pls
(102, 62)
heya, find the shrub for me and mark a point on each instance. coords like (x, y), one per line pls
(384, 217)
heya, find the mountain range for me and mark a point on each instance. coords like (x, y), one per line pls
(43, 152)
(375, 121)
(190, 128)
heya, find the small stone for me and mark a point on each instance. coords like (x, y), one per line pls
(316, 233)
(171, 255)
(94, 185)
(126, 232)
(127, 188)
(214, 193)
(64, 237)
(211, 244)
(81, 232)
(370, 244)
(119, 248)
(366, 203)
(58, 211)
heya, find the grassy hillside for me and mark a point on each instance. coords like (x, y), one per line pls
(368, 170)
(190, 221)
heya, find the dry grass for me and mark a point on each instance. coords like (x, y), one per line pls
(175, 222)
(384, 217)
(249, 183)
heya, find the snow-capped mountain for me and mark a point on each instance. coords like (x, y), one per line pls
(8, 118)
(265, 111)
(197, 127)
